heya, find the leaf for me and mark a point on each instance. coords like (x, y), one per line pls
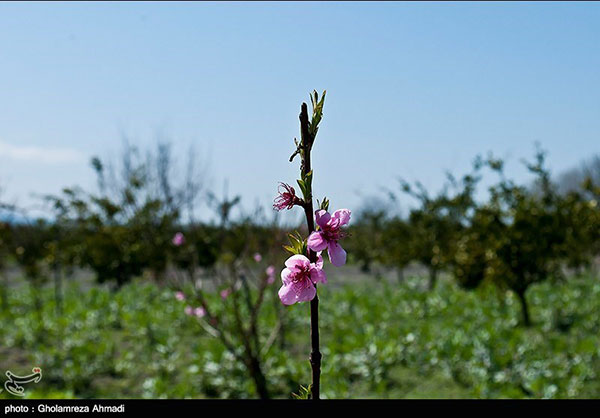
(294, 239)
(289, 249)
(304, 393)
(307, 182)
(297, 243)
(302, 186)
(317, 112)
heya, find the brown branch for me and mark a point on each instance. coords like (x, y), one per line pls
(208, 324)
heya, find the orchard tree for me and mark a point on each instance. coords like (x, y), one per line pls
(5, 252)
(30, 245)
(227, 253)
(123, 229)
(526, 233)
(115, 249)
(582, 243)
(396, 241)
(439, 221)
(366, 240)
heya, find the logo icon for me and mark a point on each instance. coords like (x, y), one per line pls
(14, 382)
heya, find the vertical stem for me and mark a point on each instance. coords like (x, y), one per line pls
(315, 354)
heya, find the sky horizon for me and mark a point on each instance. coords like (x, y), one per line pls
(413, 90)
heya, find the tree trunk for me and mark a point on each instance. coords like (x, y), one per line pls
(433, 272)
(37, 301)
(38, 306)
(4, 295)
(524, 308)
(400, 275)
(259, 378)
(282, 318)
(58, 289)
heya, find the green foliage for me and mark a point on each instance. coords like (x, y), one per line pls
(306, 185)
(6, 245)
(297, 244)
(520, 236)
(317, 115)
(324, 205)
(377, 341)
(436, 225)
(122, 233)
(369, 243)
(201, 247)
(396, 243)
(303, 393)
(30, 246)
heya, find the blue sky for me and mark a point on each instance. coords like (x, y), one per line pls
(413, 89)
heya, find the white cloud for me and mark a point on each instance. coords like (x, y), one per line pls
(47, 155)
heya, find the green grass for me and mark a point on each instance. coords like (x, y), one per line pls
(378, 341)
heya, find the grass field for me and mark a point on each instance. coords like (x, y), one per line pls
(379, 339)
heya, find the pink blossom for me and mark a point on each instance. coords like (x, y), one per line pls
(287, 198)
(225, 293)
(199, 312)
(270, 274)
(329, 233)
(299, 278)
(257, 257)
(178, 239)
(189, 310)
(179, 296)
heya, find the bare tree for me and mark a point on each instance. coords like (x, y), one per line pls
(573, 179)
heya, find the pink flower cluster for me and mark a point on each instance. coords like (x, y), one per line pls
(287, 198)
(178, 239)
(300, 275)
(299, 278)
(329, 234)
(198, 312)
(270, 274)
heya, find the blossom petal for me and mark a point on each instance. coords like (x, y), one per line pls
(317, 275)
(316, 242)
(322, 217)
(287, 295)
(295, 292)
(297, 262)
(319, 263)
(343, 215)
(285, 274)
(306, 293)
(337, 255)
